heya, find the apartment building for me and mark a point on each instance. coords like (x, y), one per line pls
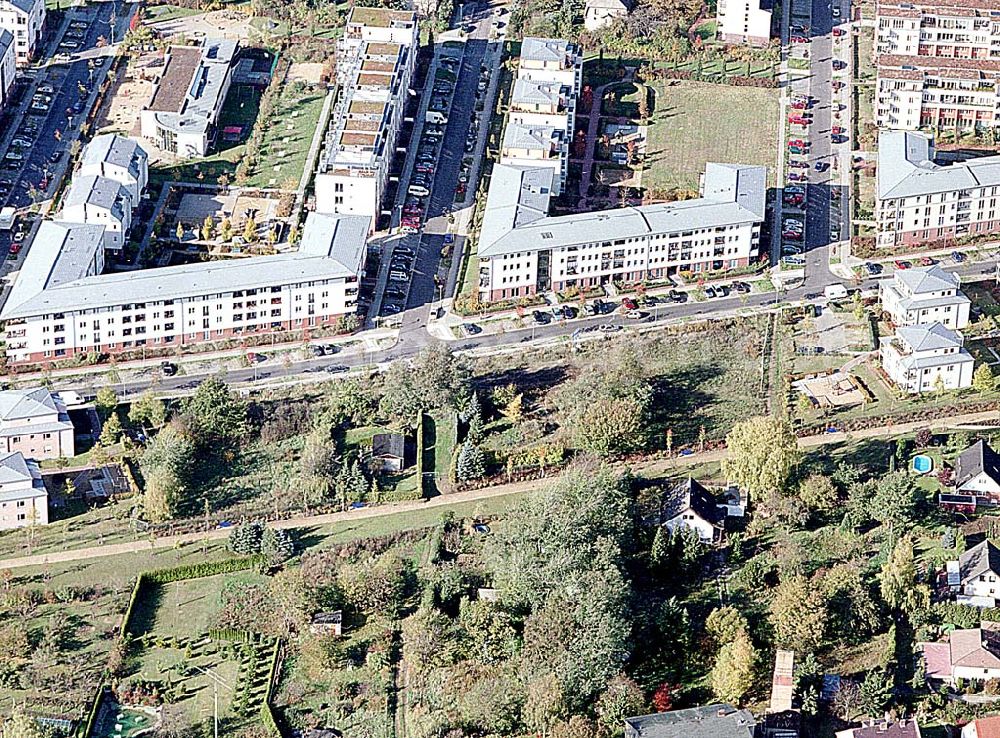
(919, 200)
(745, 21)
(925, 358)
(8, 66)
(35, 422)
(542, 117)
(376, 59)
(924, 295)
(187, 99)
(523, 250)
(119, 158)
(97, 200)
(938, 64)
(600, 13)
(24, 501)
(25, 19)
(62, 306)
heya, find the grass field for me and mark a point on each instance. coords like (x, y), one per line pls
(188, 608)
(287, 139)
(159, 13)
(696, 122)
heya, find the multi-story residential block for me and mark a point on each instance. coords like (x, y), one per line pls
(376, 59)
(35, 422)
(600, 13)
(524, 251)
(25, 19)
(745, 21)
(118, 158)
(925, 358)
(62, 306)
(181, 115)
(550, 59)
(97, 200)
(24, 501)
(920, 200)
(8, 66)
(536, 146)
(938, 64)
(924, 295)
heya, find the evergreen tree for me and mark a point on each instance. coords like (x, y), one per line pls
(983, 380)
(276, 545)
(245, 540)
(471, 462)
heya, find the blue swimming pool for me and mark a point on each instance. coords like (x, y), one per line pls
(922, 464)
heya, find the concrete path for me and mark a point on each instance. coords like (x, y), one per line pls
(652, 467)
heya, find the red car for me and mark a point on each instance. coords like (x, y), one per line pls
(14, 248)
(837, 130)
(797, 142)
(628, 303)
(902, 264)
(798, 105)
(838, 32)
(799, 40)
(926, 261)
(792, 235)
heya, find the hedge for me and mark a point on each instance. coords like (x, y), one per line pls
(88, 727)
(420, 453)
(232, 634)
(266, 714)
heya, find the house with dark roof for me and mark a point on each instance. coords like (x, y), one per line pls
(327, 623)
(904, 728)
(389, 449)
(717, 720)
(977, 472)
(690, 505)
(971, 653)
(979, 575)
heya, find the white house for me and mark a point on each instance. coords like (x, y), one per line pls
(8, 66)
(119, 158)
(600, 13)
(25, 20)
(977, 472)
(97, 200)
(986, 727)
(536, 146)
(970, 654)
(978, 576)
(923, 358)
(35, 422)
(689, 505)
(744, 21)
(23, 498)
(925, 295)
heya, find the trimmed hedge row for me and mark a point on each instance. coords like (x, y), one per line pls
(88, 727)
(266, 714)
(420, 453)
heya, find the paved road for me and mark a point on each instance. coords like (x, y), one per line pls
(650, 467)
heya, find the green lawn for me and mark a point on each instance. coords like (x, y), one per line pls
(160, 13)
(287, 139)
(206, 170)
(696, 122)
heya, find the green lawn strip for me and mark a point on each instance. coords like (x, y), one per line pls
(161, 13)
(694, 123)
(446, 437)
(291, 133)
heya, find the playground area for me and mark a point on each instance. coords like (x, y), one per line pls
(836, 390)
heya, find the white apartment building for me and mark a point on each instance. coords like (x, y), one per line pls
(25, 19)
(536, 146)
(918, 200)
(8, 66)
(376, 59)
(924, 358)
(35, 422)
(24, 500)
(119, 158)
(100, 201)
(924, 295)
(600, 13)
(938, 64)
(61, 305)
(180, 116)
(745, 21)
(523, 251)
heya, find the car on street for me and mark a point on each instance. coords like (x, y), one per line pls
(838, 130)
(838, 64)
(742, 288)
(790, 249)
(540, 318)
(391, 308)
(957, 256)
(69, 44)
(900, 264)
(798, 164)
(797, 142)
(792, 235)
(837, 85)
(838, 138)
(710, 293)
(798, 39)
(872, 268)
(799, 120)
(337, 369)
(21, 143)
(836, 11)
(796, 150)
(838, 32)
(677, 296)
(796, 177)
(926, 261)
(420, 190)
(55, 156)
(14, 248)
(628, 303)
(471, 329)
(167, 368)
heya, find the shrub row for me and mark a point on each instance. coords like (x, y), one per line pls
(266, 714)
(420, 453)
(88, 727)
(232, 635)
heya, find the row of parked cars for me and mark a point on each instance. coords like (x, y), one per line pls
(400, 269)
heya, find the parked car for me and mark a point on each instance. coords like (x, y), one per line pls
(168, 368)
(957, 256)
(742, 288)
(873, 268)
(797, 142)
(710, 293)
(795, 177)
(926, 261)
(540, 318)
(799, 120)
(796, 150)
(900, 264)
(798, 164)
(798, 39)
(420, 190)
(838, 32)
(628, 303)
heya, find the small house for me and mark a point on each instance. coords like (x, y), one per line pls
(600, 13)
(978, 580)
(389, 449)
(690, 505)
(977, 472)
(970, 653)
(884, 728)
(327, 623)
(709, 721)
(988, 727)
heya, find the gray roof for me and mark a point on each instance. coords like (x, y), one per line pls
(97, 191)
(906, 168)
(14, 468)
(544, 49)
(717, 720)
(22, 404)
(537, 92)
(204, 89)
(927, 279)
(25, 6)
(110, 148)
(609, 4)
(526, 136)
(975, 460)
(517, 196)
(929, 337)
(6, 42)
(690, 495)
(332, 247)
(389, 444)
(734, 194)
(981, 558)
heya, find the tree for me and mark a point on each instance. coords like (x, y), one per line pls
(876, 691)
(166, 465)
(250, 230)
(434, 380)
(226, 229)
(471, 462)
(111, 431)
(725, 624)
(898, 579)
(983, 380)
(611, 426)
(207, 228)
(762, 453)
(215, 416)
(623, 698)
(318, 466)
(544, 704)
(148, 411)
(818, 493)
(472, 414)
(513, 409)
(894, 501)
(245, 539)
(21, 725)
(733, 674)
(106, 402)
(276, 546)
(179, 231)
(798, 614)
